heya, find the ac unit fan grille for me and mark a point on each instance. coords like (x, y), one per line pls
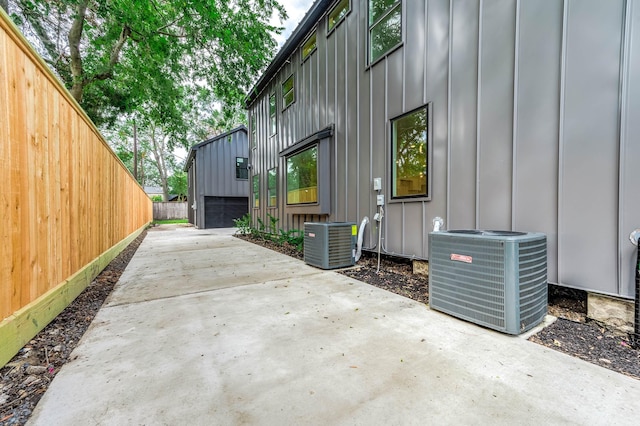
(339, 247)
(472, 291)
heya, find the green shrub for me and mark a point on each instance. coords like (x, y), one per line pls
(243, 224)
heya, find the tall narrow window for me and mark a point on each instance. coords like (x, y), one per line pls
(256, 191)
(302, 177)
(385, 27)
(309, 46)
(242, 171)
(273, 116)
(410, 155)
(253, 130)
(288, 92)
(272, 186)
(338, 12)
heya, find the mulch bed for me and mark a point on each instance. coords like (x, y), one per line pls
(27, 376)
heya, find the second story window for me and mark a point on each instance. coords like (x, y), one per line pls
(273, 114)
(253, 130)
(338, 12)
(242, 172)
(288, 92)
(309, 46)
(385, 27)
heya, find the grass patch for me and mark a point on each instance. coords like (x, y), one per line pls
(169, 221)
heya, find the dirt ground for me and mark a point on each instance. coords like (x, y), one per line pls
(27, 376)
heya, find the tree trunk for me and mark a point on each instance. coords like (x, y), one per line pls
(158, 149)
(75, 35)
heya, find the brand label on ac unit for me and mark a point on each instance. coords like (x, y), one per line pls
(312, 234)
(461, 258)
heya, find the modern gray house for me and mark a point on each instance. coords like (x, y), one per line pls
(516, 115)
(218, 171)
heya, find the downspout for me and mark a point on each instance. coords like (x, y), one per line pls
(635, 339)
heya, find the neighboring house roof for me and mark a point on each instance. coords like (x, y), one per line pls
(174, 197)
(194, 148)
(153, 190)
(297, 36)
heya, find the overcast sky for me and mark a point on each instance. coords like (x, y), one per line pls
(296, 10)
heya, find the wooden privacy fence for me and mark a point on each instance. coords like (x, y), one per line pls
(68, 205)
(166, 211)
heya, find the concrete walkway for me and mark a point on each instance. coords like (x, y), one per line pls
(206, 329)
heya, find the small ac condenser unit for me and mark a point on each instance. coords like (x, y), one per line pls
(330, 245)
(497, 279)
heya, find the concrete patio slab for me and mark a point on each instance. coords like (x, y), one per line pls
(215, 337)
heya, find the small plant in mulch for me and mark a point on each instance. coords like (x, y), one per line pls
(285, 241)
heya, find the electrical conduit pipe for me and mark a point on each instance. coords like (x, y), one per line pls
(363, 224)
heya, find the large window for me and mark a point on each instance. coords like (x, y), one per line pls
(410, 155)
(336, 15)
(288, 93)
(385, 27)
(256, 191)
(242, 172)
(272, 187)
(273, 114)
(302, 177)
(309, 46)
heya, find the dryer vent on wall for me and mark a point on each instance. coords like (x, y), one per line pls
(330, 245)
(497, 279)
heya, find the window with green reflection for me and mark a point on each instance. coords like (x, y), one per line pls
(385, 27)
(309, 46)
(338, 12)
(288, 93)
(410, 155)
(256, 191)
(302, 177)
(273, 114)
(272, 186)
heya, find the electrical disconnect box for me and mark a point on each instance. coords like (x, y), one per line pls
(377, 184)
(380, 200)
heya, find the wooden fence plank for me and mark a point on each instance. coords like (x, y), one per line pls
(5, 177)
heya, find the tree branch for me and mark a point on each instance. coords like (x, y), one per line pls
(35, 20)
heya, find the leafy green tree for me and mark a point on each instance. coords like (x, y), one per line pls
(178, 184)
(116, 55)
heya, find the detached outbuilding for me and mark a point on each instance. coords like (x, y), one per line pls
(217, 170)
(509, 115)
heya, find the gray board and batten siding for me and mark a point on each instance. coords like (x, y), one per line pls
(216, 195)
(534, 125)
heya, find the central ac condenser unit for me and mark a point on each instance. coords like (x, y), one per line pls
(330, 245)
(497, 279)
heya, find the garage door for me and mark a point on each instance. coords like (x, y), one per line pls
(219, 212)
